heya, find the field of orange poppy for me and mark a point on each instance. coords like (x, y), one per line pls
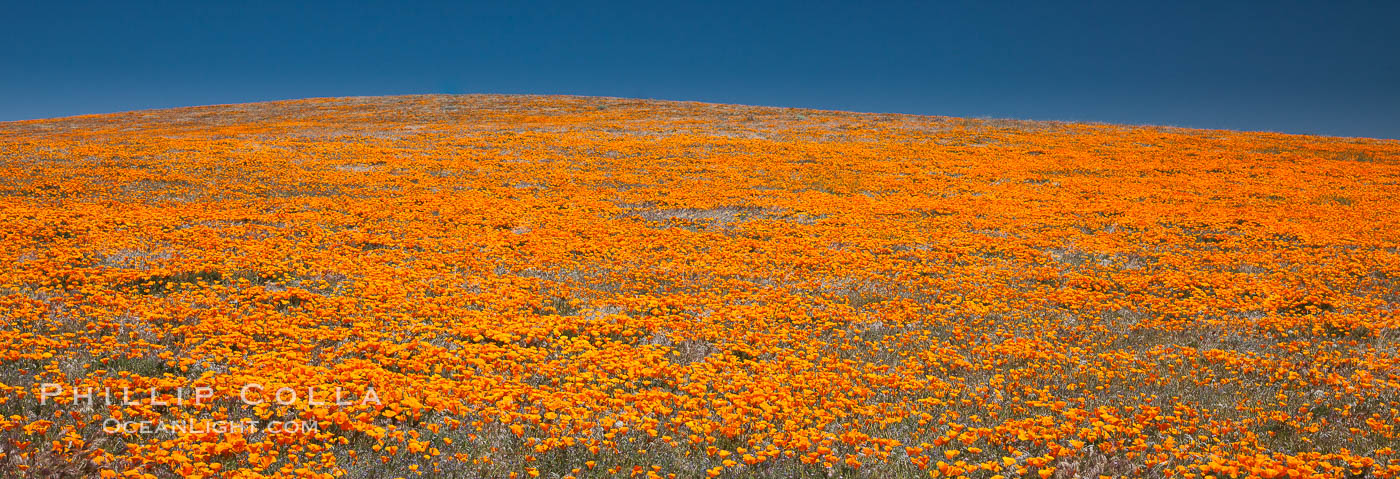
(541, 286)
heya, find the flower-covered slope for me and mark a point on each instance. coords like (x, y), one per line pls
(562, 286)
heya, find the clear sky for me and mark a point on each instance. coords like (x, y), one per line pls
(1321, 67)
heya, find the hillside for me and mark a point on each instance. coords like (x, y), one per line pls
(565, 286)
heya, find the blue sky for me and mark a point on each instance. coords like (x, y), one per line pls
(1319, 67)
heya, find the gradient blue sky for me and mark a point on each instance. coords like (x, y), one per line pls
(1318, 67)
